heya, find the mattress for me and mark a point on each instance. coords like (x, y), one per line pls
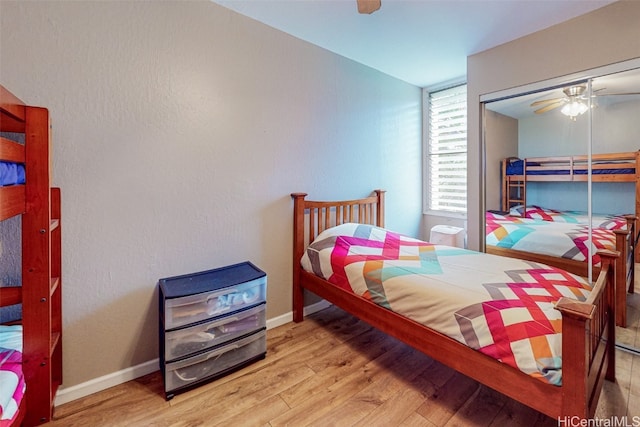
(11, 174)
(610, 222)
(502, 307)
(12, 384)
(557, 239)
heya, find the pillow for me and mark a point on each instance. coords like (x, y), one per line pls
(517, 210)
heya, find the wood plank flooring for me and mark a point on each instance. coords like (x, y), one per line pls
(333, 370)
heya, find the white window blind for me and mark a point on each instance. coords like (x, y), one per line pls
(447, 150)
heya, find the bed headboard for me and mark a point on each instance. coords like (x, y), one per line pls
(312, 217)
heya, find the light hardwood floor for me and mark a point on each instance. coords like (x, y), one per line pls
(333, 370)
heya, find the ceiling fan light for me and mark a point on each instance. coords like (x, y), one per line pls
(574, 108)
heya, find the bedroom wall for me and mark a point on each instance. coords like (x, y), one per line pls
(501, 132)
(180, 130)
(615, 129)
(605, 36)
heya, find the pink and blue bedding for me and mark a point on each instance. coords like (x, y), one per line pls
(558, 239)
(502, 307)
(12, 385)
(11, 174)
(610, 222)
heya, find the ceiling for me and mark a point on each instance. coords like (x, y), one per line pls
(607, 89)
(423, 42)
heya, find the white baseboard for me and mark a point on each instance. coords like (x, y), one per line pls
(288, 317)
(68, 394)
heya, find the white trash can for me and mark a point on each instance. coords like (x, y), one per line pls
(447, 235)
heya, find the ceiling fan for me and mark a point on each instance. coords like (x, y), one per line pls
(368, 6)
(573, 103)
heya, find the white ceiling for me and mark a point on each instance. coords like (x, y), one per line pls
(423, 42)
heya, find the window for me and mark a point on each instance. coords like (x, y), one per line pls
(446, 161)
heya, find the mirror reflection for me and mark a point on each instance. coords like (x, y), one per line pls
(563, 180)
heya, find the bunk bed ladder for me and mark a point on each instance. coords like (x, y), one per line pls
(514, 188)
(516, 193)
(41, 273)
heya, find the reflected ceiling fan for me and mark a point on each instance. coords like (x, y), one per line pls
(368, 6)
(574, 103)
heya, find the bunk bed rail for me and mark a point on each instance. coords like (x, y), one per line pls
(41, 291)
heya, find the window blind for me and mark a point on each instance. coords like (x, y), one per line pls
(447, 150)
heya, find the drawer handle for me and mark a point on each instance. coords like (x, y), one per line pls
(217, 355)
(226, 350)
(183, 378)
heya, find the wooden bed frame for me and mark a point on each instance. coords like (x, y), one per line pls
(514, 191)
(41, 290)
(588, 339)
(625, 267)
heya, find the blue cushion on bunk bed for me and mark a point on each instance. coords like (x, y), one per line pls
(516, 167)
(606, 171)
(11, 173)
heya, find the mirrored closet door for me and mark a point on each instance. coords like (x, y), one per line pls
(615, 115)
(561, 174)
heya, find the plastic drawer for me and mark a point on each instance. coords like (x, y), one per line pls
(195, 308)
(194, 369)
(193, 339)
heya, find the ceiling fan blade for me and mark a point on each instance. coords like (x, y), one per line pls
(549, 107)
(368, 6)
(546, 101)
(618, 93)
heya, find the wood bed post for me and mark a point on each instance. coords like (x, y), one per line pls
(36, 269)
(585, 364)
(380, 208)
(621, 276)
(574, 396)
(609, 263)
(298, 249)
(632, 226)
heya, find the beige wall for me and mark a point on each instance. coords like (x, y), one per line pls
(501, 142)
(180, 130)
(605, 36)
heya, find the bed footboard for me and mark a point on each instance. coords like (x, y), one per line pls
(624, 272)
(589, 325)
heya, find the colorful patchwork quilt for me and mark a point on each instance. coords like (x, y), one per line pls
(502, 307)
(558, 239)
(12, 383)
(610, 222)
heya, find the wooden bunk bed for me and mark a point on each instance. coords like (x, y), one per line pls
(610, 167)
(40, 292)
(588, 331)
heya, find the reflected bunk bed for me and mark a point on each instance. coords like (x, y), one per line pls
(25, 145)
(588, 330)
(611, 167)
